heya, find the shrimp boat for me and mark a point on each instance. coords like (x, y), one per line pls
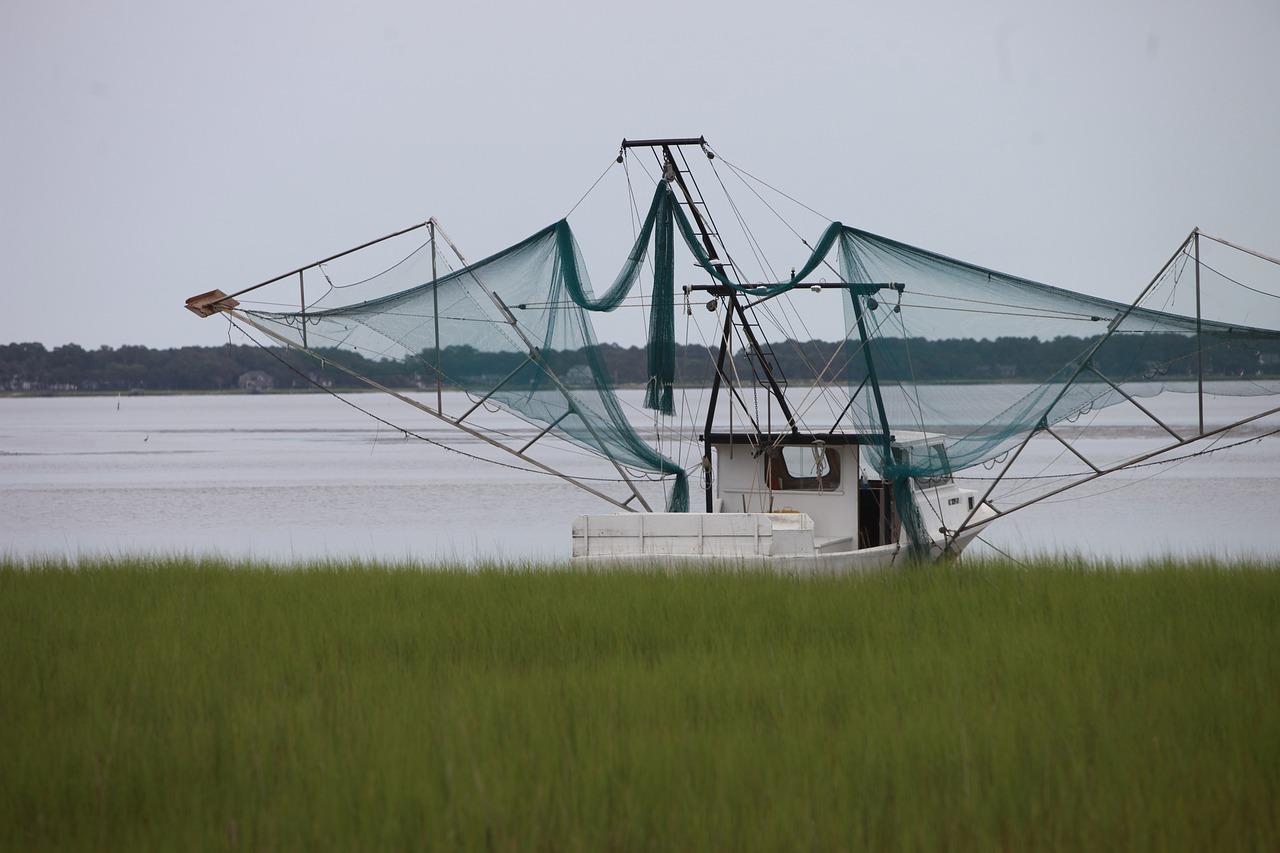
(803, 457)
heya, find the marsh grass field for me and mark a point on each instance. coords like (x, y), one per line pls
(189, 704)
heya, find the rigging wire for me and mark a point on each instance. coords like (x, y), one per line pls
(612, 163)
(1223, 275)
(1002, 552)
(370, 278)
(786, 322)
(1027, 311)
(824, 391)
(752, 243)
(786, 317)
(1032, 310)
(1039, 315)
(771, 188)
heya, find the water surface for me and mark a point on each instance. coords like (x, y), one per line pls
(285, 477)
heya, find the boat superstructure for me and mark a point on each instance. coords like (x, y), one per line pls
(796, 502)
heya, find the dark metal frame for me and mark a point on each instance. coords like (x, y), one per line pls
(736, 317)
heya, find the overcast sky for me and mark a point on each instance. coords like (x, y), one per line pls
(150, 151)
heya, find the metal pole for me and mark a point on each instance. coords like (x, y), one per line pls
(1195, 236)
(711, 409)
(872, 379)
(302, 300)
(535, 355)
(326, 260)
(654, 143)
(1129, 463)
(435, 315)
(886, 438)
(1080, 368)
(731, 296)
(1239, 248)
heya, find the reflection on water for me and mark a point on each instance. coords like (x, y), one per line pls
(287, 477)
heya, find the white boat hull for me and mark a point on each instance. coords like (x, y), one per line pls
(782, 542)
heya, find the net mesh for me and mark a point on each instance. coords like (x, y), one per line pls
(525, 312)
(1100, 352)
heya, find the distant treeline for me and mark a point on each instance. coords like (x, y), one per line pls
(32, 367)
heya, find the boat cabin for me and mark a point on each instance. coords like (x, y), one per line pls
(791, 495)
(821, 476)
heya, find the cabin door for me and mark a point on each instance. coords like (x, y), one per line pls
(877, 515)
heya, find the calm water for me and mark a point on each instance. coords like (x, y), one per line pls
(286, 477)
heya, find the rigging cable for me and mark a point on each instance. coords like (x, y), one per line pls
(782, 319)
(1226, 277)
(741, 172)
(612, 163)
(1002, 552)
(752, 243)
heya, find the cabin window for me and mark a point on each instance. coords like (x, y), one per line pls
(802, 469)
(940, 465)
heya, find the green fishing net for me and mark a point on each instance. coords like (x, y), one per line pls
(527, 310)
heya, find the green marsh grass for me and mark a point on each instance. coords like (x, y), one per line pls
(191, 704)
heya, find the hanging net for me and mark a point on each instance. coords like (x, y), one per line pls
(525, 313)
(1195, 321)
(1094, 352)
(1213, 313)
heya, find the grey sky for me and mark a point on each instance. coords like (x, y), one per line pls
(153, 150)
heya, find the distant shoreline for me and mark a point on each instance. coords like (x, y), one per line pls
(33, 369)
(362, 389)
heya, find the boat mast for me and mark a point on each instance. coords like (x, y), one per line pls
(736, 313)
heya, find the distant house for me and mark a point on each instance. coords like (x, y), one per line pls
(255, 381)
(996, 371)
(579, 376)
